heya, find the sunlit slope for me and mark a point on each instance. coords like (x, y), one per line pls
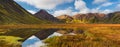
(12, 13)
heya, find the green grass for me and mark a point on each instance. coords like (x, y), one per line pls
(10, 41)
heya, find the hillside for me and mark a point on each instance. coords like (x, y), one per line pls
(111, 18)
(65, 18)
(12, 13)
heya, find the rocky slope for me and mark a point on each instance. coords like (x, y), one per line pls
(44, 15)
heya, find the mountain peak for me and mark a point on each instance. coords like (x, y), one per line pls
(43, 11)
(43, 14)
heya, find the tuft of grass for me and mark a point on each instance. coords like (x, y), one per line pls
(10, 41)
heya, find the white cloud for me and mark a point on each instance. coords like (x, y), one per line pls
(94, 10)
(67, 11)
(107, 4)
(32, 37)
(106, 11)
(103, 5)
(32, 12)
(74, 13)
(99, 1)
(98, 9)
(37, 44)
(55, 34)
(45, 4)
(118, 7)
(61, 12)
(40, 43)
(81, 5)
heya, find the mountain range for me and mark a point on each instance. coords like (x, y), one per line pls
(111, 18)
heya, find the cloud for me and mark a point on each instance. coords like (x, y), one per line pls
(104, 5)
(55, 34)
(31, 11)
(67, 11)
(118, 7)
(99, 1)
(81, 5)
(45, 4)
(83, 9)
(107, 4)
(62, 12)
(32, 37)
(95, 10)
(106, 11)
(36, 44)
(40, 43)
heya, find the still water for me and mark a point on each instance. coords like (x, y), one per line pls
(35, 42)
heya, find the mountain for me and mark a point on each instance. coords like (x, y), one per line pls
(64, 18)
(44, 15)
(12, 13)
(92, 18)
(114, 17)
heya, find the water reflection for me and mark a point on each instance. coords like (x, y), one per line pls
(91, 36)
(36, 42)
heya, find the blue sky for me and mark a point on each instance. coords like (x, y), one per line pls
(70, 7)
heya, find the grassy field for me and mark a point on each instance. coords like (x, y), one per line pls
(92, 37)
(56, 26)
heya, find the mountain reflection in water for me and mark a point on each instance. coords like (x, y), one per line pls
(36, 42)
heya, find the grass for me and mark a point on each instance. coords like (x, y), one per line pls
(10, 41)
(55, 26)
(92, 37)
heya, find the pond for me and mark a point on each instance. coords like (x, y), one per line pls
(36, 42)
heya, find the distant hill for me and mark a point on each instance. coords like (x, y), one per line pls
(65, 18)
(111, 18)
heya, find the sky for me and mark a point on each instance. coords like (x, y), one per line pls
(70, 7)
